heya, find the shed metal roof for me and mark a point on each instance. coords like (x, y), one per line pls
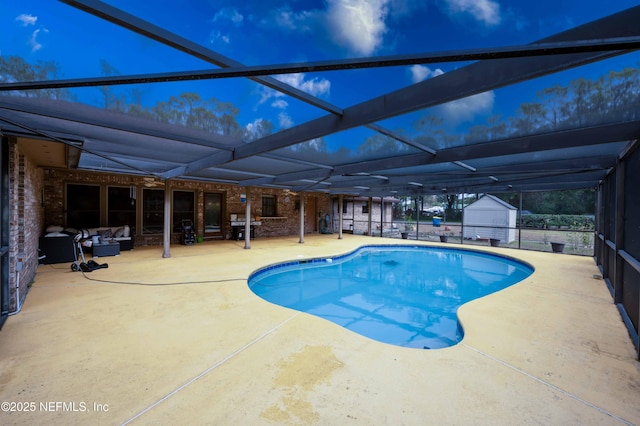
(493, 199)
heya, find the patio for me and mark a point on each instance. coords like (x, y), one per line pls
(549, 350)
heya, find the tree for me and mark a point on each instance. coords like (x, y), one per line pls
(580, 106)
(379, 145)
(623, 90)
(136, 108)
(554, 202)
(448, 200)
(15, 68)
(430, 132)
(554, 102)
(110, 98)
(530, 118)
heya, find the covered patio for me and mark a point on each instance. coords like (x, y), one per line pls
(183, 340)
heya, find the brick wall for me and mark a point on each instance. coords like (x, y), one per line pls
(26, 217)
(286, 223)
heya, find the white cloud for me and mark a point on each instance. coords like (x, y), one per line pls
(485, 11)
(33, 41)
(466, 109)
(27, 20)
(287, 19)
(284, 120)
(421, 72)
(315, 86)
(358, 24)
(229, 14)
(460, 110)
(280, 103)
(317, 144)
(214, 37)
(225, 20)
(255, 129)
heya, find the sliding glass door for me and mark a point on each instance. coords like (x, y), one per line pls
(213, 214)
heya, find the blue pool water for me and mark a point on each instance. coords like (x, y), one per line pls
(402, 295)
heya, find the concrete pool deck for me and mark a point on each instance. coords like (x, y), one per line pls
(550, 350)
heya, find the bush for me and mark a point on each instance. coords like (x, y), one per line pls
(570, 221)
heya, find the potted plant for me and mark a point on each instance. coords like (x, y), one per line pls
(494, 242)
(407, 228)
(444, 236)
(557, 247)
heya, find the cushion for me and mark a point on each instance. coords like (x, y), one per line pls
(106, 233)
(56, 234)
(119, 233)
(127, 231)
(54, 228)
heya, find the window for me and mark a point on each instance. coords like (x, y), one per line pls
(121, 207)
(83, 206)
(344, 207)
(152, 211)
(183, 209)
(269, 205)
(365, 208)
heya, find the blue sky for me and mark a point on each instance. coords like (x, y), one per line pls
(273, 32)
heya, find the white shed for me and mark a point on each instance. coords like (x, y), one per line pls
(490, 217)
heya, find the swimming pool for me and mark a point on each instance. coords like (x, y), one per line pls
(402, 295)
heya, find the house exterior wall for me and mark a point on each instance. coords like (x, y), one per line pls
(286, 221)
(37, 200)
(26, 216)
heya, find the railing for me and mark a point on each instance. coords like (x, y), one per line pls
(570, 241)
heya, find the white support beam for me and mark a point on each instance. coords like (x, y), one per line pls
(302, 202)
(247, 220)
(166, 234)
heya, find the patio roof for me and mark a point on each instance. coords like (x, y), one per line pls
(569, 155)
